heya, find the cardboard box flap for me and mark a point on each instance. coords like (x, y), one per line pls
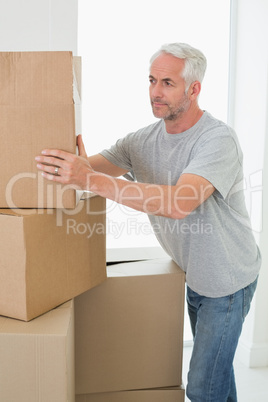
(55, 322)
(19, 212)
(30, 212)
(175, 394)
(149, 267)
(36, 78)
(77, 68)
(128, 254)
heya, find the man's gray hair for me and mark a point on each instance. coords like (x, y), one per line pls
(195, 61)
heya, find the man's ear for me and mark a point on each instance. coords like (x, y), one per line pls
(194, 90)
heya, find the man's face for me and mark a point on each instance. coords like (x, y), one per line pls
(167, 88)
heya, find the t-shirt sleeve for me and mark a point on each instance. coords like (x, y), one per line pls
(218, 160)
(119, 154)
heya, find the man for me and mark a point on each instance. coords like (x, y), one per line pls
(187, 171)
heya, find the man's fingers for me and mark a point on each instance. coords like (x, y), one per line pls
(52, 177)
(55, 158)
(57, 153)
(49, 160)
(55, 170)
(63, 167)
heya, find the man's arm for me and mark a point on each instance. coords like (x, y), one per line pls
(174, 202)
(100, 176)
(100, 164)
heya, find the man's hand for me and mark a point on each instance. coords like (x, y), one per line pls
(66, 168)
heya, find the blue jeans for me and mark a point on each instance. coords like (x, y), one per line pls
(216, 326)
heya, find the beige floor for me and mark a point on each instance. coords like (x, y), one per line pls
(252, 383)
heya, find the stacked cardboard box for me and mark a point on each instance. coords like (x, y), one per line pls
(129, 334)
(36, 112)
(44, 260)
(37, 357)
(52, 247)
(48, 256)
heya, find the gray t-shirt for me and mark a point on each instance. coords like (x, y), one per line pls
(214, 245)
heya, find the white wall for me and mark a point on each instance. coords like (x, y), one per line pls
(249, 117)
(30, 25)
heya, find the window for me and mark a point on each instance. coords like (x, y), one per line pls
(116, 40)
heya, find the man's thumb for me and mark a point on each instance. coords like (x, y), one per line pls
(81, 146)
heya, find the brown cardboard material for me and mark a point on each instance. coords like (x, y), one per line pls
(37, 357)
(36, 112)
(132, 254)
(77, 93)
(175, 394)
(129, 330)
(49, 256)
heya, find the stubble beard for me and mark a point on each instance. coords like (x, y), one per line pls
(173, 113)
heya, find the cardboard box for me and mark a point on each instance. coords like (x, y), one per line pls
(175, 394)
(77, 93)
(37, 357)
(132, 254)
(49, 256)
(36, 112)
(129, 330)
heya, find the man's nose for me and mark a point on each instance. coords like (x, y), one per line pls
(156, 91)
